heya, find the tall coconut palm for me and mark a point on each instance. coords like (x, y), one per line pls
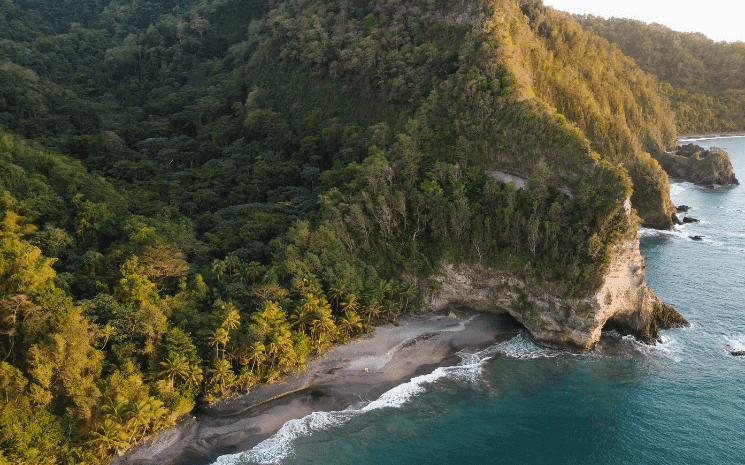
(194, 376)
(336, 293)
(139, 416)
(392, 309)
(220, 336)
(106, 332)
(255, 355)
(373, 310)
(385, 289)
(158, 413)
(218, 267)
(222, 374)
(177, 366)
(232, 319)
(232, 263)
(320, 326)
(301, 318)
(109, 435)
(116, 409)
(348, 325)
(254, 271)
(409, 291)
(350, 303)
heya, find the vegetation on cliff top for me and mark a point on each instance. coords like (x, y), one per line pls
(196, 196)
(703, 79)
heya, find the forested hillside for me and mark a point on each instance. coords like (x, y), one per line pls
(705, 79)
(197, 196)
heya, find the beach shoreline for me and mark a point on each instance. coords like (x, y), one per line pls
(712, 135)
(346, 375)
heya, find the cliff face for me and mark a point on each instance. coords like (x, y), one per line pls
(623, 303)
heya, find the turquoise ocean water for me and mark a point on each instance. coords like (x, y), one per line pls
(682, 402)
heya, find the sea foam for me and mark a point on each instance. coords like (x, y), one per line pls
(274, 449)
(522, 346)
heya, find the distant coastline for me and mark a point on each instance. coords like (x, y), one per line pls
(712, 135)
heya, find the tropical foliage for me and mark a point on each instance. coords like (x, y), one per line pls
(195, 197)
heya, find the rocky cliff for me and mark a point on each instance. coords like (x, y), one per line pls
(623, 303)
(697, 165)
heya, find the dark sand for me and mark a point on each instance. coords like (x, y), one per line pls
(392, 355)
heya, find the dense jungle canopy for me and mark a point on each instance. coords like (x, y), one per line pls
(196, 196)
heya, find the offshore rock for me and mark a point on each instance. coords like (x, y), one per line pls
(624, 302)
(697, 165)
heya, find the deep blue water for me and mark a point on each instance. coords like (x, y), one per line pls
(682, 402)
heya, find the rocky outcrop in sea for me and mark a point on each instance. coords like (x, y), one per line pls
(697, 165)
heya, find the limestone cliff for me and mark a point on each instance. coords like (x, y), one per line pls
(623, 303)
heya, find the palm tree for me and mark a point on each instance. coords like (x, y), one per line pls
(194, 376)
(108, 436)
(336, 293)
(220, 336)
(348, 324)
(116, 408)
(392, 308)
(173, 367)
(158, 412)
(350, 304)
(385, 288)
(270, 311)
(222, 374)
(139, 416)
(232, 319)
(321, 326)
(409, 291)
(254, 271)
(373, 310)
(218, 267)
(232, 262)
(301, 317)
(255, 355)
(106, 332)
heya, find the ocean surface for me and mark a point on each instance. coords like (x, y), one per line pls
(681, 402)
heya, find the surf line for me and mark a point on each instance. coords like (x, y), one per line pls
(279, 446)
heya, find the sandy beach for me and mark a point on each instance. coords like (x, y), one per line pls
(359, 371)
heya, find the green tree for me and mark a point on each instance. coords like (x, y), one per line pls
(176, 367)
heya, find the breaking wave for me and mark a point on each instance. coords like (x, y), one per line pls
(274, 449)
(524, 347)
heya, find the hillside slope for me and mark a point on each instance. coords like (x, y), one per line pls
(703, 78)
(205, 195)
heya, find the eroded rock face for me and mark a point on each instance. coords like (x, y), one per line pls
(624, 303)
(697, 165)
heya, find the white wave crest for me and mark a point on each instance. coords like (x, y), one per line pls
(524, 347)
(736, 342)
(274, 449)
(679, 231)
(676, 189)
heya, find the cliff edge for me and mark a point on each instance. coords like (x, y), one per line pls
(623, 303)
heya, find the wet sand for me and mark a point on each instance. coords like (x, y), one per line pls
(359, 371)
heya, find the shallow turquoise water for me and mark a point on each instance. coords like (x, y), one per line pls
(624, 403)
